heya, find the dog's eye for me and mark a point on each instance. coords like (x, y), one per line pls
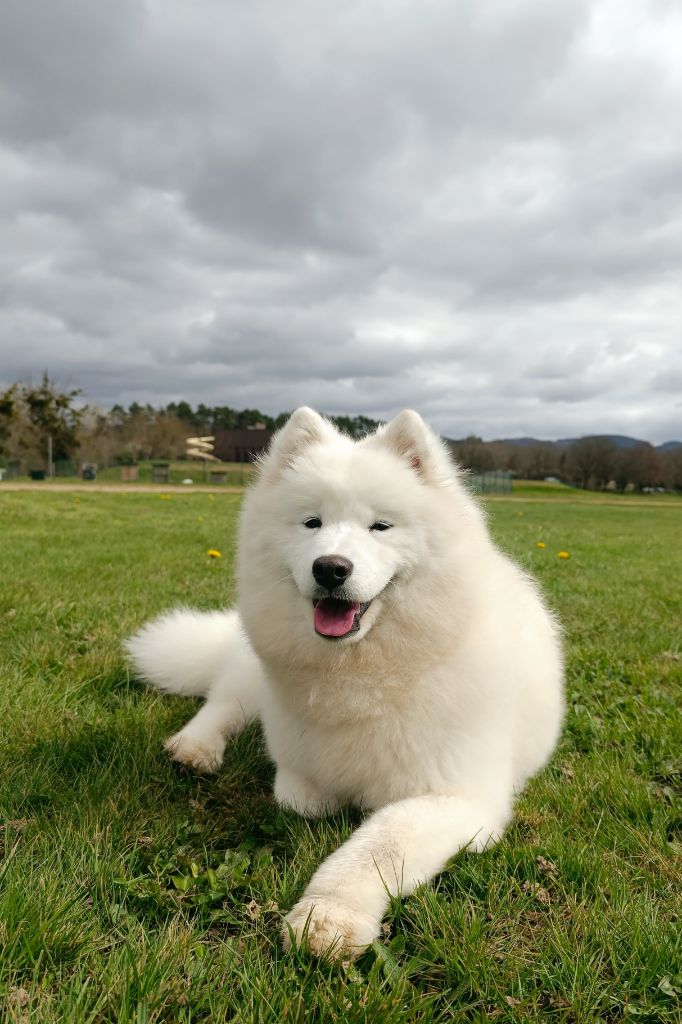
(312, 522)
(381, 525)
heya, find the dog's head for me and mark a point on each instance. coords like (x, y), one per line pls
(338, 529)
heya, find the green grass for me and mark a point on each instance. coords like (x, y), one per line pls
(546, 490)
(130, 892)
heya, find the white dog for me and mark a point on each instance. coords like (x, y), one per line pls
(397, 660)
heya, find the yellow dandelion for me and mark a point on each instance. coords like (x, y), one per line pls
(165, 497)
(541, 544)
(563, 554)
(214, 553)
(200, 519)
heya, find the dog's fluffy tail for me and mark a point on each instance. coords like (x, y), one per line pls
(184, 651)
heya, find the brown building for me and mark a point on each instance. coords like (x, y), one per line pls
(241, 445)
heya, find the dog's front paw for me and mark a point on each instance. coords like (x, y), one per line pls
(329, 928)
(201, 755)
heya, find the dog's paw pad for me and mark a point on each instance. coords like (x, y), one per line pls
(329, 928)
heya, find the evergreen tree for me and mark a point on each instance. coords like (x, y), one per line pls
(32, 414)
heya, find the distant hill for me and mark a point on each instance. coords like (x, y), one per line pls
(522, 442)
(619, 440)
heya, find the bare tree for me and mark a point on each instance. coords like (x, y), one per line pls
(643, 466)
(590, 462)
(672, 469)
(473, 453)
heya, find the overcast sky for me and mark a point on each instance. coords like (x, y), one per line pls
(471, 208)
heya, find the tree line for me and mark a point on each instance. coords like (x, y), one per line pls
(30, 414)
(593, 462)
(42, 418)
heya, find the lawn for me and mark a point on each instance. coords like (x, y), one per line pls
(131, 892)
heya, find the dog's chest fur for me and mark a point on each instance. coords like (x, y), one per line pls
(367, 741)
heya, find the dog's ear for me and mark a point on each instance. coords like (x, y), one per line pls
(409, 437)
(304, 427)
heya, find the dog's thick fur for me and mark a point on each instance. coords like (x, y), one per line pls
(433, 693)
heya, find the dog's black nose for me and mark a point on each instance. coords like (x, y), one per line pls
(331, 571)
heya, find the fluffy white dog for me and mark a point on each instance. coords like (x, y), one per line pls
(397, 660)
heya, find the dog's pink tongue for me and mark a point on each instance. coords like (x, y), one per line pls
(334, 618)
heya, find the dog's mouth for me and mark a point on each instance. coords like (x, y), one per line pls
(334, 618)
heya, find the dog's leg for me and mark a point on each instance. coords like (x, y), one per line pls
(394, 851)
(301, 795)
(233, 701)
(201, 743)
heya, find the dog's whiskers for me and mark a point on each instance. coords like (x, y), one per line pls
(394, 602)
(287, 576)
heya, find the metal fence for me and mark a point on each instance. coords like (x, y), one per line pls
(494, 482)
(21, 467)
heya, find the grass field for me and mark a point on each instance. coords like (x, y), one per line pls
(130, 892)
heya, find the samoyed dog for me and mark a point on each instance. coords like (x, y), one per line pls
(397, 660)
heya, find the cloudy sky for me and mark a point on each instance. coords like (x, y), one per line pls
(474, 209)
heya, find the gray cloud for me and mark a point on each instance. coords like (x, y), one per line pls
(475, 210)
